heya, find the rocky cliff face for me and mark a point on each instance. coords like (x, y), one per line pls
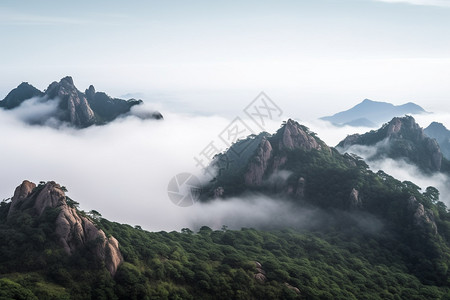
(259, 164)
(73, 230)
(270, 155)
(107, 109)
(401, 138)
(76, 108)
(263, 164)
(293, 136)
(355, 199)
(421, 217)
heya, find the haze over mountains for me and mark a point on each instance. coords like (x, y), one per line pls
(332, 218)
(63, 103)
(294, 165)
(371, 113)
(305, 199)
(403, 149)
(94, 180)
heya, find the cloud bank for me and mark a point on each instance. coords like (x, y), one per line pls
(403, 171)
(121, 170)
(38, 111)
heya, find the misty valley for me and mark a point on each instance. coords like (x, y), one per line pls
(278, 214)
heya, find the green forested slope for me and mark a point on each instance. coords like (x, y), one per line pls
(341, 263)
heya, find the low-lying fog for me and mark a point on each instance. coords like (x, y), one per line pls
(122, 169)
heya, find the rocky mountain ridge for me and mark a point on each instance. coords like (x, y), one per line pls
(294, 167)
(19, 94)
(401, 138)
(74, 107)
(73, 230)
(270, 156)
(254, 160)
(295, 164)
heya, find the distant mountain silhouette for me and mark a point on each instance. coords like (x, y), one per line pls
(442, 135)
(370, 113)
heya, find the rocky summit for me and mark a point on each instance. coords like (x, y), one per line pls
(295, 166)
(74, 107)
(401, 138)
(256, 159)
(74, 231)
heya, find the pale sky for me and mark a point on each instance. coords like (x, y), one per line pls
(313, 57)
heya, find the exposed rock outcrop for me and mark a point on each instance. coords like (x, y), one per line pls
(218, 192)
(260, 275)
(261, 278)
(354, 199)
(21, 192)
(263, 161)
(300, 191)
(401, 138)
(107, 109)
(259, 164)
(422, 217)
(350, 140)
(278, 162)
(394, 127)
(293, 288)
(293, 136)
(269, 159)
(74, 105)
(73, 230)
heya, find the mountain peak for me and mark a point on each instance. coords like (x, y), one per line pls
(292, 135)
(401, 138)
(437, 125)
(67, 79)
(404, 124)
(91, 89)
(73, 103)
(74, 107)
(73, 230)
(368, 113)
(55, 89)
(90, 92)
(24, 85)
(258, 157)
(21, 93)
